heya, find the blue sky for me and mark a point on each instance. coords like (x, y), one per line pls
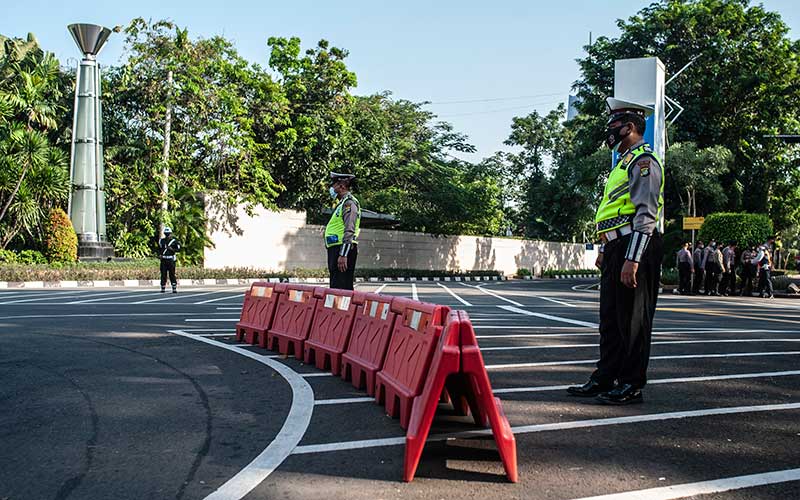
(439, 51)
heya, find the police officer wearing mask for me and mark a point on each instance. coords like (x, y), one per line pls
(168, 246)
(627, 221)
(341, 233)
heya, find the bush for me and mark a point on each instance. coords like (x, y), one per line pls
(60, 242)
(7, 257)
(31, 257)
(523, 272)
(552, 273)
(747, 229)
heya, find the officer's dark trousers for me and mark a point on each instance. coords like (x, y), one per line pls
(342, 280)
(626, 314)
(698, 279)
(712, 278)
(685, 277)
(747, 279)
(168, 267)
(729, 282)
(765, 282)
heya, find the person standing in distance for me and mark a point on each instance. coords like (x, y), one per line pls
(699, 269)
(627, 222)
(168, 246)
(341, 233)
(685, 269)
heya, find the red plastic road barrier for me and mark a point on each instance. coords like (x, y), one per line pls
(293, 317)
(414, 337)
(333, 320)
(257, 312)
(369, 338)
(471, 377)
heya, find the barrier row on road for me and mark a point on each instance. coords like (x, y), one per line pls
(409, 355)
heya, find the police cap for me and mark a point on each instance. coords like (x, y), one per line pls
(619, 108)
(336, 177)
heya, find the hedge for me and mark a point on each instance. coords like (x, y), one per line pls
(145, 270)
(746, 229)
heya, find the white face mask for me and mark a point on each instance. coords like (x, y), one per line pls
(333, 192)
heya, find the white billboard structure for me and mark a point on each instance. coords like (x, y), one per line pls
(642, 81)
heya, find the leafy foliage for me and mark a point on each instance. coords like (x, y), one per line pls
(747, 229)
(61, 242)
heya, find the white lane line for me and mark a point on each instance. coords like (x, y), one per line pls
(175, 296)
(231, 334)
(233, 308)
(96, 315)
(712, 378)
(49, 297)
(380, 288)
(525, 429)
(547, 388)
(211, 319)
(555, 301)
(489, 292)
(474, 320)
(446, 289)
(682, 356)
(321, 402)
(704, 487)
(219, 299)
(315, 374)
(294, 427)
(110, 297)
(516, 327)
(663, 342)
(535, 335)
(206, 330)
(548, 316)
(414, 294)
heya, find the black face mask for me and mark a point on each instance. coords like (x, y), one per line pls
(613, 136)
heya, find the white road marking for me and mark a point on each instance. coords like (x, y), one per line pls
(96, 315)
(236, 308)
(110, 297)
(294, 427)
(704, 487)
(539, 335)
(489, 292)
(175, 296)
(380, 288)
(50, 296)
(663, 342)
(525, 429)
(219, 299)
(206, 330)
(712, 378)
(446, 289)
(548, 316)
(316, 374)
(516, 327)
(414, 294)
(231, 334)
(212, 319)
(555, 301)
(338, 401)
(682, 356)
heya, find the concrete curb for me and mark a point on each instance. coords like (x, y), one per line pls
(219, 282)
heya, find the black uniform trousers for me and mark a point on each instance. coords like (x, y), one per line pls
(748, 273)
(699, 272)
(765, 282)
(168, 267)
(342, 280)
(685, 278)
(626, 314)
(729, 282)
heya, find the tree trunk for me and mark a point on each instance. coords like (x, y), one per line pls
(13, 193)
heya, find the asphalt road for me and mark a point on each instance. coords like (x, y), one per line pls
(130, 394)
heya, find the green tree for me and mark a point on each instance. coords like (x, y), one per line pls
(743, 85)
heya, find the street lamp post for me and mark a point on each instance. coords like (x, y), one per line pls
(87, 203)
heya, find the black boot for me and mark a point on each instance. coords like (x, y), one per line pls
(624, 394)
(589, 389)
(163, 289)
(174, 288)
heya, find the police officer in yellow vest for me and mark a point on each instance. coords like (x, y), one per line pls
(341, 234)
(627, 222)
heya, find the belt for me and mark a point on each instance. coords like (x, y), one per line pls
(168, 257)
(616, 233)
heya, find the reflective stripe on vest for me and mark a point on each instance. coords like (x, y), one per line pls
(616, 209)
(334, 231)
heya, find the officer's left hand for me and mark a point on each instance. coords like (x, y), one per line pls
(628, 274)
(342, 263)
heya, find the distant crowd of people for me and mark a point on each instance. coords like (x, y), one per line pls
(712, 269)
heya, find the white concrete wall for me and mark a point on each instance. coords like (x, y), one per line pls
(283, 241)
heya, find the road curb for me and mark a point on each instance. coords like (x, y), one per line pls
(221, 282)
